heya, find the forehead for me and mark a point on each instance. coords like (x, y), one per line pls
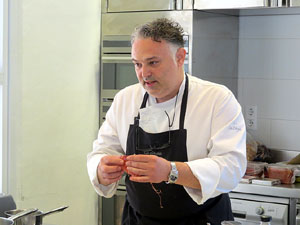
(146, 48)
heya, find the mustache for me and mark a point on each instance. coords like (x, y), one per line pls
(148, 79)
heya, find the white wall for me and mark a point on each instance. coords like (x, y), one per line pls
(269, 77)
(53, 105)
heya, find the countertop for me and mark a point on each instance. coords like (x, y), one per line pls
(280, 190)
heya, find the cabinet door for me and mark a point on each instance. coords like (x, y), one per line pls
(138, 5)
(232, 4)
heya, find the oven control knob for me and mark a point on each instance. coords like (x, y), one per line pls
(259, 210)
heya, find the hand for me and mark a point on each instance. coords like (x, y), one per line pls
(109, 169)
(147, 168)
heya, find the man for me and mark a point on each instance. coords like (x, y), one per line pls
(184, 138)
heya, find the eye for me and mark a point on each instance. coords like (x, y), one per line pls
(138, 65)
(153, 62)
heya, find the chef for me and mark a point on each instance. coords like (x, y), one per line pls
(180, 139)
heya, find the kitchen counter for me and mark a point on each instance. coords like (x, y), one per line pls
(281, 190)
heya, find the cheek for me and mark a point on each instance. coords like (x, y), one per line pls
(139, 75)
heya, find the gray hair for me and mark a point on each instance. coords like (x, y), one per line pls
(160, 29)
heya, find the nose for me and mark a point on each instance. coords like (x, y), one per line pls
(146, 72)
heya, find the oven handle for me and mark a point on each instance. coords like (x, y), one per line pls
(239, 214)
(117, 59)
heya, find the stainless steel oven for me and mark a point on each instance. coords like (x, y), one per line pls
(298, 214)
(248, 208)
(111, 209)
(117, 68)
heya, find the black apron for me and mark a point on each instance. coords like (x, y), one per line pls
(173, 205)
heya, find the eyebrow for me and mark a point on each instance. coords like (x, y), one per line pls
(147, 59)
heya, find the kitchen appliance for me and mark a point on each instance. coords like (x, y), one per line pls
(111, 209)
(248, 208)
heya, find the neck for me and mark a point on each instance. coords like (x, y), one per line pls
(174, 92)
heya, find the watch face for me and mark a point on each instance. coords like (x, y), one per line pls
(173, 178)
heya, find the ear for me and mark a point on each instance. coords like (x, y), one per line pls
(180, 56)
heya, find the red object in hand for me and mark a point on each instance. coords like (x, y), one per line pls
(124, 167)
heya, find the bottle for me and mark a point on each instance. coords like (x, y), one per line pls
(265, 220)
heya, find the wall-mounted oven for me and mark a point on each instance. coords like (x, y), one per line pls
(111, 209)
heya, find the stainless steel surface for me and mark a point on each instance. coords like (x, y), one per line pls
(39, 217)
(290, 192)
(112, 208)
(112, 6)
(298, 214)
(35, 218)
(293, 3)
(136, 5)
(233, 4)
(25, 220)
(11, 220)
(248, 209)
(282, 190)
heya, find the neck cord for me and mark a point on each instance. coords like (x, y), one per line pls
(171, 124)
(159, 192)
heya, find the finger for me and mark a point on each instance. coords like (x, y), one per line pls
(112, 175)
(137, 164)
(140, 179)
(112, 160)
(110, 169)
(136, 171)
(140, 158)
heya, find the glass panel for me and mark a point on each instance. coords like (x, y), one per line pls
(109, 72)
(118, 75)
(125, 75)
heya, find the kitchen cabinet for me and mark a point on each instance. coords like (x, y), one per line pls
(137, 5)
(234, 4)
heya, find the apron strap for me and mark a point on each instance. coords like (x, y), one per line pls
(184, 102)
(143, 105)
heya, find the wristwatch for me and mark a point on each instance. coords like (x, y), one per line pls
(173, 176)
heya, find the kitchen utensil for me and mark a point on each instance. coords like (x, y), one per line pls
(34, 218)
(25, 220)
(11, 220)
(39, 218)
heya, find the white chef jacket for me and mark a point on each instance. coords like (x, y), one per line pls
(216, 134)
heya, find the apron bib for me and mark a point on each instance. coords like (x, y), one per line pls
(161, 203)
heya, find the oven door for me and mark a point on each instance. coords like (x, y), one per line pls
(117, 73)
(112, 208)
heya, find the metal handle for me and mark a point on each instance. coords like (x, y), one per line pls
(54, 210)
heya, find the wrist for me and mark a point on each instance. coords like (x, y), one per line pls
(173, 174)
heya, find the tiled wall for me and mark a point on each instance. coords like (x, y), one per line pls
(269, 77)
